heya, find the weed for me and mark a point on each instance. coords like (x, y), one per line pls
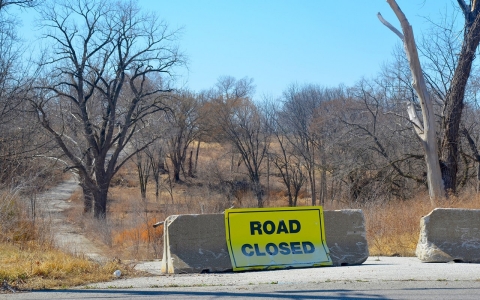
(36, 267)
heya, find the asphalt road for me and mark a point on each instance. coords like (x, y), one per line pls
(378, 278)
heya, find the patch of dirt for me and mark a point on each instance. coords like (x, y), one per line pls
(67, 235)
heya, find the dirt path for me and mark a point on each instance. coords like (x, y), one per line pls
(66, 235)
(69, 236)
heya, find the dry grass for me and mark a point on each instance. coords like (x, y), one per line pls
(29, 261)
(393, 228)
(128, 232)
(29, 266)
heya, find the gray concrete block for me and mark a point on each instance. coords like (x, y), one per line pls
(346, 236)
(450, 234)
(197, 243)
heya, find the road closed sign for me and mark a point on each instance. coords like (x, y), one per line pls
(273, 238)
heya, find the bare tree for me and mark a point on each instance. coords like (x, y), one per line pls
(20, 3)
(471, 132)
(156, 157)
(104, 84)
(244, 127)
(388, 159)
(142, 163)
(297, 118)
(454, 101)
(242, 124)
(184, 129)
(452, 63)
(287, 163)
(425, 130)
(21, 142)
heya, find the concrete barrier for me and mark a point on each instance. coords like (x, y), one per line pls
(197, 243)
(450, 234)
(346, 236)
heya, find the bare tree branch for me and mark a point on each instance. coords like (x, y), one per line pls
(390, 26)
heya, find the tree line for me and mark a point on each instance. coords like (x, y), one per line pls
(102, 94)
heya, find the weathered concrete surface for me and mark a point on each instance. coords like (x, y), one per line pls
(450, 234)
(197, 243)
(346, 236)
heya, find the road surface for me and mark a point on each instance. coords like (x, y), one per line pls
(378, 278)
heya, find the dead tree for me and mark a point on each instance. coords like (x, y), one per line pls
(424, 129)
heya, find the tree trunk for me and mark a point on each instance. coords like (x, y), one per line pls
(196, 157)
(100, 208)
(258, 193)
(190, 166)
(87, 198)
(323, 176)
(100, 191)
(454, 101)
(157, 189)
(142, 179)
(476, 155)
(176, 173)
(268, 178)
(425, 132)
(296, 191)
(312, 176)
(290, 198)
(478, 177)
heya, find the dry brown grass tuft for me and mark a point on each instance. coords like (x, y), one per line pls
(144, 233)
(393, 228)
(33, 267)
(29, 261)
(17, 224)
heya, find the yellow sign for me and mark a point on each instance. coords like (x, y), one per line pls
(272, 238)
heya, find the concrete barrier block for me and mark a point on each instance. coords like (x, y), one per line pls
(346, 236)
(450, 234)
(197, 243)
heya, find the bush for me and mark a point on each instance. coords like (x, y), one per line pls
(16, 224)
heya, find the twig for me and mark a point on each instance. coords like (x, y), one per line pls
(7, 287)
(157, 224)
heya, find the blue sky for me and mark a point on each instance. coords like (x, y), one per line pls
(280, 42)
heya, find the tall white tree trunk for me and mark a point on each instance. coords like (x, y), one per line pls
(425, 132)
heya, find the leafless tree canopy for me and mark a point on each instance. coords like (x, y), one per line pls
(21, 3)
(102, 92)
(104, 81)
